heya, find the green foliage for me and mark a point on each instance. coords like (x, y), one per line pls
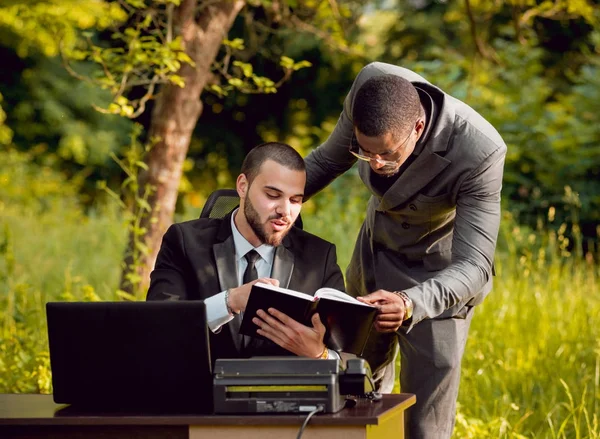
(35, 189)
(49, 109)
(135, 208)
(42, 214)
(246, 80)
(337, 213)
(44, 26)
(49, 250)
(48, 116)
(5, 132)
(145, 53)
(148, 51)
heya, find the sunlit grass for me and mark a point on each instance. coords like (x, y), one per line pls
(532, 364)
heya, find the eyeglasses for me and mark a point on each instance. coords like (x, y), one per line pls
(355, 146)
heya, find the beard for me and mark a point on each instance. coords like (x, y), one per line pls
(387, 171)
(260, 229)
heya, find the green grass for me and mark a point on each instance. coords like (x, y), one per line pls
(532, 363)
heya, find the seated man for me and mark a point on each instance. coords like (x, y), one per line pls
(210, 259)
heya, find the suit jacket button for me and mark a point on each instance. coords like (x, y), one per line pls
(411, 206)
(405, 225)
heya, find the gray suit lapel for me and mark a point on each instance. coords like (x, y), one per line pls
(423, 170)
(283, 265)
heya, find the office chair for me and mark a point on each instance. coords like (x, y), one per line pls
(222, 201)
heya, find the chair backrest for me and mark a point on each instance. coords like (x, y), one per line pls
(222, 201)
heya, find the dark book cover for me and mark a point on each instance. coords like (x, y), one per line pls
(348, 321)
(348, 324)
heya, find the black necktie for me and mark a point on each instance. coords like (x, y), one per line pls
(251, 274)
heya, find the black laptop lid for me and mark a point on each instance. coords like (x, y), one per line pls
(130, 355)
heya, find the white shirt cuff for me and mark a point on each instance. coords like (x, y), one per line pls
(216, 312)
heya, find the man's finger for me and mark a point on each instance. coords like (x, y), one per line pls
(317, 324)
(271, 321)
(283, 318)
(391, 308)
(270, 326)
(380, 295)
(269, 280)
(266, 280)
(273, 336)
(389, 324)
(392, 317)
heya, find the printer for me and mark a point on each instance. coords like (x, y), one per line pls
(286, 384)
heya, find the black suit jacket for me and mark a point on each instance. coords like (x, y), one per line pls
(197, 260)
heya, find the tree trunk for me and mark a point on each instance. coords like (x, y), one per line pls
(174, 117)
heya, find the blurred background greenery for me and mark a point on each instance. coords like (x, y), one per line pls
(531, 67)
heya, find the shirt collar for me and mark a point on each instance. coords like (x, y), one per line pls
(242, 246)
(431, 114)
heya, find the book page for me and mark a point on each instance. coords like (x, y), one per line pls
(333, 294)
(286, 291)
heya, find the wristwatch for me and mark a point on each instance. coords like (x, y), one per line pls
(408, 304)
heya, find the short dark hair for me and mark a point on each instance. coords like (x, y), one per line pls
(386, 104)
(281, 153)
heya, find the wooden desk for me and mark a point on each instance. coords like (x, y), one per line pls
(35, 416)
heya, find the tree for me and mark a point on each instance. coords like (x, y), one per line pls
(181, 47)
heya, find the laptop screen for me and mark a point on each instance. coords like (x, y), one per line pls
(130, 355)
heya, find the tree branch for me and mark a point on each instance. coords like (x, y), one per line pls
(479, 44)
(303, 26)
(170, 22)
(141, 104)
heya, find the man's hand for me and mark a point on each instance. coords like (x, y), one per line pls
(391, 309)
(291, 335)
(238, 297)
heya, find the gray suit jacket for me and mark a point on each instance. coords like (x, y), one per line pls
(433, 233)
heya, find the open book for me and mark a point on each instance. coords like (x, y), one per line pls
(347, 320)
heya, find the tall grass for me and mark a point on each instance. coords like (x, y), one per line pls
(56, 255)
(532, 363)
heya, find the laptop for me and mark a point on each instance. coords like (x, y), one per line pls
(131, 356)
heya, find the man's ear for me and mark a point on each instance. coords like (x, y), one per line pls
(241, 185)
(420, 127)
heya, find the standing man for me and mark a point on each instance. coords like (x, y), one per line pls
(426, 248)
(218, 260)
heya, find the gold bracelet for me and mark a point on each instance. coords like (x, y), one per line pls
(325, 354)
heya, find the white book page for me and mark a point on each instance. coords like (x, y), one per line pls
(286, 291)
(333, 294)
